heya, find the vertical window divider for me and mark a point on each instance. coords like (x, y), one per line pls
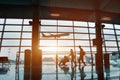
(2, 33)
(73, 26)
(90, 51)
(116, 39)
(57, 54)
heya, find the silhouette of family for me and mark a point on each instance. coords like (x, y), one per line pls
(72, 57)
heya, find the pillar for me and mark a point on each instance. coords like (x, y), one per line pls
(27, 64)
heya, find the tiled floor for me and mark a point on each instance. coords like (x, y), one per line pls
(49, 72)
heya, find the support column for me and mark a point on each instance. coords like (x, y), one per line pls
(27, 64)
(99, 55)
(36, 53)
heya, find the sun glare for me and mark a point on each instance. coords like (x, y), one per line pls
(49, 48)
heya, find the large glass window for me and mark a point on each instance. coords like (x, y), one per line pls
(60, 37)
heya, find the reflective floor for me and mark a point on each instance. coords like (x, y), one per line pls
(49, 72)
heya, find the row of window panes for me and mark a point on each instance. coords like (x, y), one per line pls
(52, 29)
(54, 43)
(77, 36)
(56, 22)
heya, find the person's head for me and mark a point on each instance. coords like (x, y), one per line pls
(71, 50)
(79, 46)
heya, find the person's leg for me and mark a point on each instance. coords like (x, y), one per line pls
(79, 62)
(83, 62)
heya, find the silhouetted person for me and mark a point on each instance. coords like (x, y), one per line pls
(72, 57)
(82, 54)
(64, 61)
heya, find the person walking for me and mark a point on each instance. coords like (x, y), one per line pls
(82, 54)
(72, 57)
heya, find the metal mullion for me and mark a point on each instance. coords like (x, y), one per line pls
(2, 34)
(74, 45)
(116, 39)
(90, 50)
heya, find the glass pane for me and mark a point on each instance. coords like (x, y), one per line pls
(10, 43)
(82, 43)
(65, 23)
(118, 37)
(27, 28)
(26, 21)
(26, 35)
(110, 43)
(12, 28)
(108, 31)
(92, 36)
(81, 36)
(24, 48)
(84, 30)
(48, 22)
(119, 43)
(91, 24)
(48, 42)
(11, 35)
(65, 29)
(26, 43)
(109, 37)
(65, 43)
(1, 21)
(112, 49)
(80, 23)
(0, 34)
(92, 30)
(1, 27)
(48, 28)
(14, 21)
(109, 26)
(10, 52)
(118, 32)
(117, 26)
(70, 36)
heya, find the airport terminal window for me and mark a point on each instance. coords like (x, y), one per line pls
(13, 30)
(16, 36)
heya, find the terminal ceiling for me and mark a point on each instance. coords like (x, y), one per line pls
(82, 10)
